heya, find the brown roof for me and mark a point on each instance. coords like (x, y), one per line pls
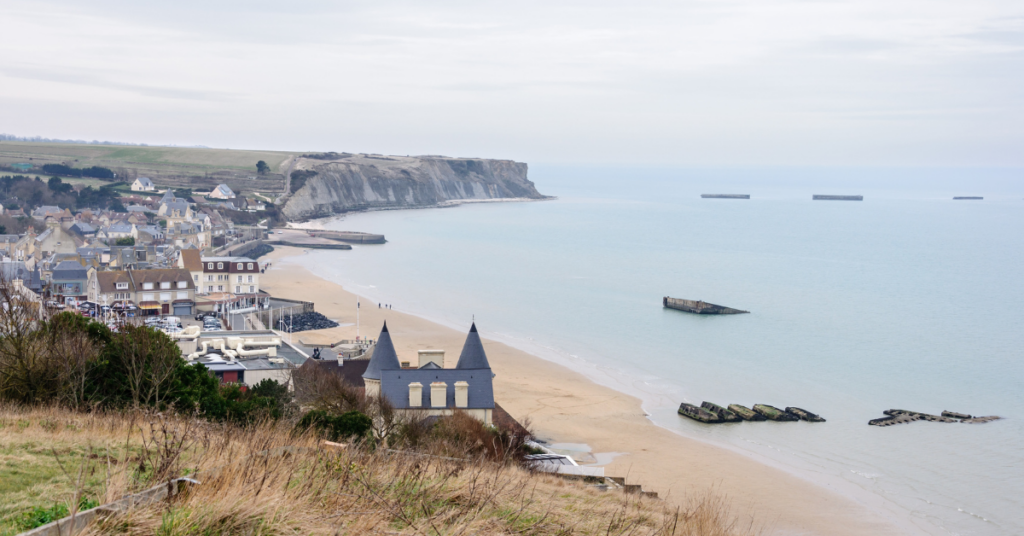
(192, 260)
(161, 275)
(108, 279)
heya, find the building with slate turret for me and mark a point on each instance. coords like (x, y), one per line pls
(430, 388)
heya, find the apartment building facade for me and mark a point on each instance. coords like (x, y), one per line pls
(155, 292)
(235, 275)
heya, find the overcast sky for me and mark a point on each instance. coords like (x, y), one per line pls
(744, 82)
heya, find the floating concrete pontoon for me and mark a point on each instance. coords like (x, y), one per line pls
(773, 413)
(746, 413)
(838, 198)
(723, 414)
(699, 307)
(698, 414)
(725, 196)
(900, 416)
(979, 420)
(968, 198)
(805, 415)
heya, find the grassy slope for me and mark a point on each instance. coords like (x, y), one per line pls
(168, 166)
(308, 490)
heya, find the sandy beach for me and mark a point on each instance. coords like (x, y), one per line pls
(564, 406)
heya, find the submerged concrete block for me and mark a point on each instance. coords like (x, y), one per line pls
(698, 414)
(805, 415)
(773, 413)
(746, 413)
(724, 414)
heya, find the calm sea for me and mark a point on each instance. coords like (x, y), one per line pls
(905, 300)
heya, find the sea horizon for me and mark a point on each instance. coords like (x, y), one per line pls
(851, 310)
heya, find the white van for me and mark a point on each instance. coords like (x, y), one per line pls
(172, 320)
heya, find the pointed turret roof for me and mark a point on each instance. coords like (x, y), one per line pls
(384, 356)
(473, 355)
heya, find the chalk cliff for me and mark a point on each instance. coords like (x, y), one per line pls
(342, 182)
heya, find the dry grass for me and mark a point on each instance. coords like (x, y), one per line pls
(262, 480)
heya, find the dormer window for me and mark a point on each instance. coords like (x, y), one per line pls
(250, 266)
(147, 286)
(240, 266)
(220, 265)
(121, 286)
(209, 266)
(182, 284)
(165, 285)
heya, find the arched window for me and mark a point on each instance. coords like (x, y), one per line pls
(240, 266)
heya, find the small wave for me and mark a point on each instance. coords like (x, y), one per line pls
(870, 476)
(972, 514)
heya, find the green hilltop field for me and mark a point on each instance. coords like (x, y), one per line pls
(175, 167)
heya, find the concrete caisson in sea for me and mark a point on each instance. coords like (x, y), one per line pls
(725, 196)
(900, 416)
(699, 307)
(838, 197)
(805, 415)
(723, 414)
(698, 414)
(773, 413)
(746, 413)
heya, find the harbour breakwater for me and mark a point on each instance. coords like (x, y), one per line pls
(338, 183)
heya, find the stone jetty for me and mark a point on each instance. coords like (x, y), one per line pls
(725, 196)
(746, 413)
(901, 416)
(838, 198)
(773, 413)
(699, 307)
(723, 414)
(805, 415)
(968, 198)
(698, 414)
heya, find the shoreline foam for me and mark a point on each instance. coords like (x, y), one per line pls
(582, 410)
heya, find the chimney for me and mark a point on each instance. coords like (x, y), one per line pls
(415, 395)
(461, 394)
(431, 356)
(438, 394)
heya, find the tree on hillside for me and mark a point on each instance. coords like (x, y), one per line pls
(262, 167)
(126, 241)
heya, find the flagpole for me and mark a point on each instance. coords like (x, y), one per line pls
(357, 319)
